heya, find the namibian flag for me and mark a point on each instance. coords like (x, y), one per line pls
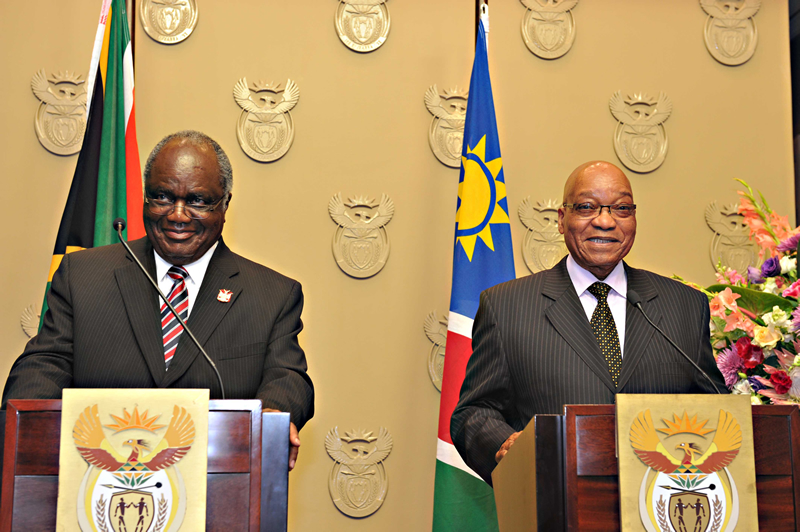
(108, 182)
(482, 258)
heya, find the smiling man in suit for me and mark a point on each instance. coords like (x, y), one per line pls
(107, 328)
(568, 336)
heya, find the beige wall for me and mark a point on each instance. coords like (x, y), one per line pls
(361, 128)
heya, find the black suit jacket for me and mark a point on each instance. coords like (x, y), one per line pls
(534, 352)
(102, 330)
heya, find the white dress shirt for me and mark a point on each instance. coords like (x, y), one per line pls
(196, 270)
(617, 296)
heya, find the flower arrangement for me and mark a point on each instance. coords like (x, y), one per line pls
(755, 319)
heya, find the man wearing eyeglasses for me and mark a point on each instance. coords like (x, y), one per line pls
(568, 336)
(107, 328)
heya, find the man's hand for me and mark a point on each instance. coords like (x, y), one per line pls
(506, 446)
(294, 441)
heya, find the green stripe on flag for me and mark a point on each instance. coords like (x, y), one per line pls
(111, 186)
(463, 502)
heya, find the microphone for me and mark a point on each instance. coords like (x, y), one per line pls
(636, 300)
(119, 225)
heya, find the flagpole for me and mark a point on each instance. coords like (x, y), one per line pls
(482, 13)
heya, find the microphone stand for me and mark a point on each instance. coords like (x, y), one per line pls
(119, 225)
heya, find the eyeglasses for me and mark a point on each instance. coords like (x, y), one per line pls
(590, 210)
(161, 207)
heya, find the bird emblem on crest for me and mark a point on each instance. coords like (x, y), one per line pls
(358, 482)
(60, 120)
(731, 245)
(687, 485)
(127, 491)
(730, 32)
(446, 133)
(548, 27)
(265, 130)
(360, 243)
(640, 139)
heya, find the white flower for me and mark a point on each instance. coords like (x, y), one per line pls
(788, 264)
(742, 388)
(777, 318)
(769, 286)
(794, 391)
(756, 400)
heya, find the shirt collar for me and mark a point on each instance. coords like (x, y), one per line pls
(196, 269)
(583, 279)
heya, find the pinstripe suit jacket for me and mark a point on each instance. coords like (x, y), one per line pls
(534, 352)
(103, 331)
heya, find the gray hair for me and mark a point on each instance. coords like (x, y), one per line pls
(197, 138)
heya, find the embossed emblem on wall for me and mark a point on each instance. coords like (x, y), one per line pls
(358, 481)
(730, 32)
(436, 331)
(265, 130)
(362, 25)
(548, 27)
(60, 119)
(29, 321)
(731, 244)
(360, 243)
(543, 246)
(446, 134)
(168, 21)
(640, 139)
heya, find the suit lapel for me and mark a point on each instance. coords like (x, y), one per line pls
(637, 331)
(207, 311)
(141, 304)
(568, 317)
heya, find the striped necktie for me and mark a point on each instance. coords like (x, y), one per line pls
(179, 297)
(605, 330)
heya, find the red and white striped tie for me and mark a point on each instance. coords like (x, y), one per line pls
(179, 297)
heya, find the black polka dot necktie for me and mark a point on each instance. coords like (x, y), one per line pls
(605, 330)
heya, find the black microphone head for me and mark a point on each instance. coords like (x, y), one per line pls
(634, 298)
(118, 224)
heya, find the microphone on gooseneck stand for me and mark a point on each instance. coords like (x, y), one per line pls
(636, 300)
(119, 225)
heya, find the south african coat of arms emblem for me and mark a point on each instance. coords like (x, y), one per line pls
(446, 133)
(640, 139)
(265, 130)
(548, 27)
(60, 120)
(362, 25)
(360, 243)
(730, 32)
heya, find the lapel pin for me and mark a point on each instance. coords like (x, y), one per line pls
(224, 295)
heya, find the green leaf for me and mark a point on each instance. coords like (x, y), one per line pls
(756, 301)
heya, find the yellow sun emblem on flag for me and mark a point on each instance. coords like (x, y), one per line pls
(480, 193)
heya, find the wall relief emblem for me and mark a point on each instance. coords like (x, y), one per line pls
(362, 25)
(436, 331)
(730, 32)
(640, 139)
(543, 246)
(548, 27)
(265, 130)
(60, 119)
(168, 21)
(358, 481)
(361, 243)
(29, 321)
(731, 244)
(446, 134)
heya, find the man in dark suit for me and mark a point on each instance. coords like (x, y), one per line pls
(107, 328)
(567, 335)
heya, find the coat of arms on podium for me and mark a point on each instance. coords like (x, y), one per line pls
(680, 471)
(125, 466)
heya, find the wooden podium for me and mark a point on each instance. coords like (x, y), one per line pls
(561, 473)
(248, 469)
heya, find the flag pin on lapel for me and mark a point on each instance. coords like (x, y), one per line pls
(224, 295)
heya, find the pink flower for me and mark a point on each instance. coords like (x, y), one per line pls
(737, 320)
(792, 291)
(781, 381)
